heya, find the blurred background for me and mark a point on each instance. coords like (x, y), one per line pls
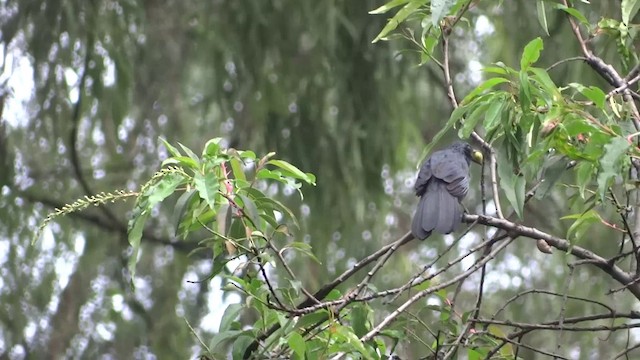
(88, 87)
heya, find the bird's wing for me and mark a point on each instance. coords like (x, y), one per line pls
(452, 168)
(423, 177)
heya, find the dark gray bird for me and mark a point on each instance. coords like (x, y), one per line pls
(442, 182)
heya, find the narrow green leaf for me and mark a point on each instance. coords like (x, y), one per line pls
(238, 172)
(542, 16)
(582, 224)
(294, 171)
(488, 84)
(531, 53)
(135, 229)
(584, 175)
(472, 120)
(303, 248)
(181, 208)
(573, 12)
(500, 69)
(492, 116)
(250, 210)
(388, 6)
(519, 189)
(170, 148)
(612, 163)
(525, 92)
(542, 77)
(223, 219)
(181, 161)
(191, 154)
(513, 187)
(397, 19)
(352, 342)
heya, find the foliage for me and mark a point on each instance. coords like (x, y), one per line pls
(555, 146)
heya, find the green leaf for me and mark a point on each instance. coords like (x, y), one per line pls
(247, 154)
(238, 172)
(135, 229)
(612, 163)
(250, 210)
(513, 187)
(230, 315)
(359, 319)
(312, 319)
(182, 161)
(303, 248)
(582, 224)
(542, 77)
(592, 93)
(334, 294)
(440, 9)
(492, 116)
(240, 346)
(531, 53)
(207, 186)
(294, 171)
(224, 218)
(474, 355)
(629, 10)
(397, 19)
(297, 344)
(163, 188)
(552, 173)
(575, 13)
(351, 342)
(222, 337)
(181, 207)
(584, 175)
(212, 147)
(430, 38)
(191, 154)
(472, 120)
(170, 148)
(525, 92)
(388, 6)
(542, 16)
(488, 84)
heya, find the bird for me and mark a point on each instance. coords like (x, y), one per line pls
(443, 181)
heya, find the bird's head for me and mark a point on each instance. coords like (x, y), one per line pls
(471, 153)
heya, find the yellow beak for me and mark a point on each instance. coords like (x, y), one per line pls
(476, 157)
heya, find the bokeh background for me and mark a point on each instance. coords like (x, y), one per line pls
(88, 87)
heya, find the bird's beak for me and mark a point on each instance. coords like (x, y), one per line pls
(476, 157)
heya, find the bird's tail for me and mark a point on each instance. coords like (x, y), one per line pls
(437, 210)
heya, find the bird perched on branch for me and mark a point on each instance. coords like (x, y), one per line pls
(442, 182)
